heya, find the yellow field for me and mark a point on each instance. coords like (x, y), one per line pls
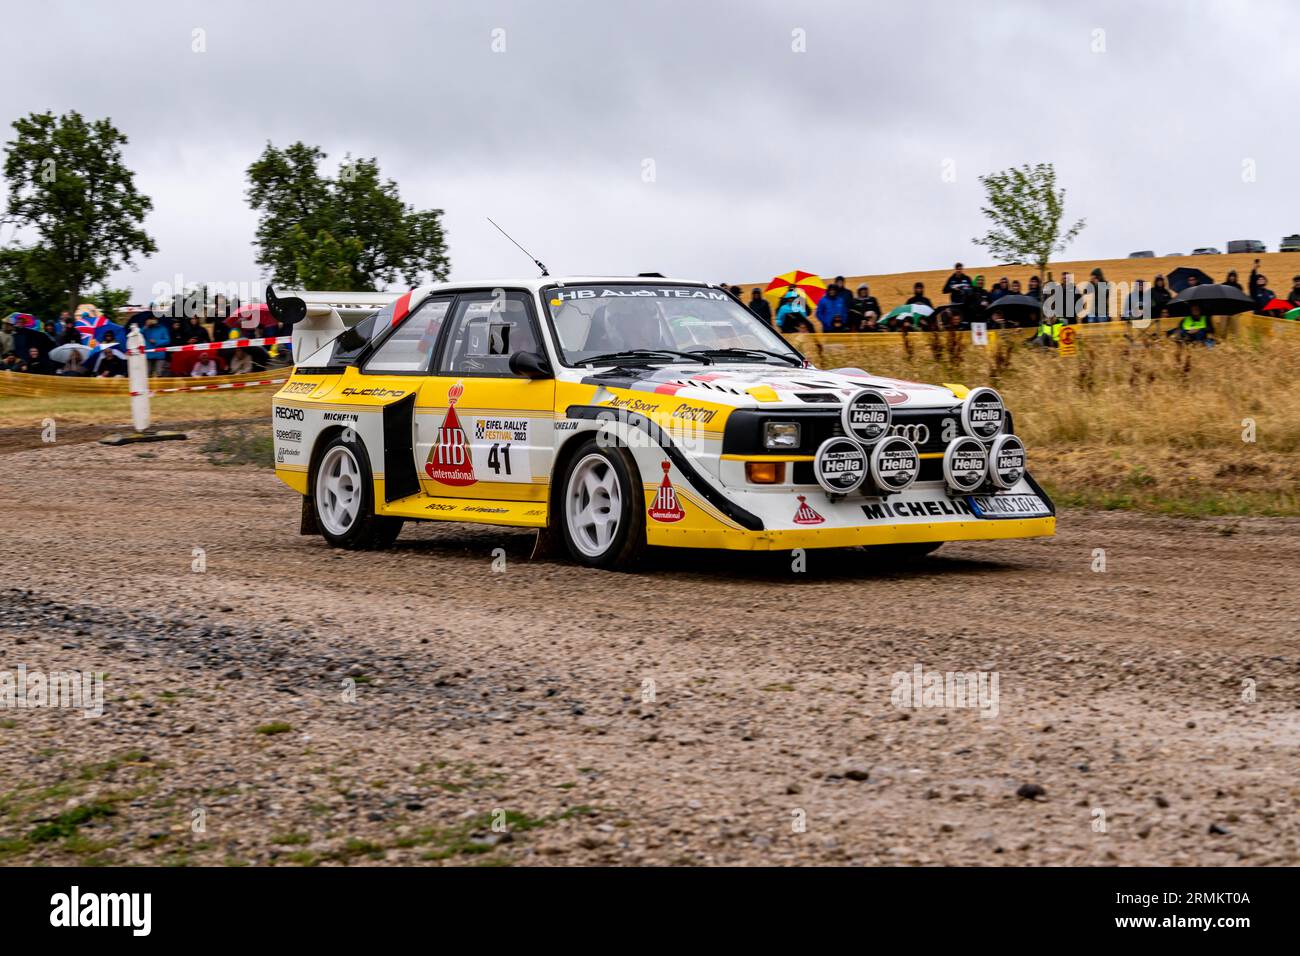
(894, 288)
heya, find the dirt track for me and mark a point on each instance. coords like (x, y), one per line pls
(1121, 692)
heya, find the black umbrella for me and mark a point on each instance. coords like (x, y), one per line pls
(1213, 300)
(1179, 279)
(1019, 309)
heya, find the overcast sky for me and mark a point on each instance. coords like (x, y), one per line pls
(859, 155)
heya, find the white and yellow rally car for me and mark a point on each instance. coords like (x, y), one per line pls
(618, 413)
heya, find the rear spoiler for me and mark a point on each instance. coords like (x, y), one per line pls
(318, 317)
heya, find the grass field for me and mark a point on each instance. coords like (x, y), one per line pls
(116, 410)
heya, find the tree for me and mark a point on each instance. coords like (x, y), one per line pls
(68, 183)
(348, 233)
(1025, 209)
(26, 283)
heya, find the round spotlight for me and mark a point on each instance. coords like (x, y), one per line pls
(965, 464)
(1007, 461)
(983, 414)
(895, 464)
(867, 416)
(840, 466)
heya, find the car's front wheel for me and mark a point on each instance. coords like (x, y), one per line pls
(602, 508)
(344, 497)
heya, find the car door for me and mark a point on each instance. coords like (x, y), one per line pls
(481, 431)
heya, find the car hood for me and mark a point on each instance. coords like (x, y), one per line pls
(749, 385)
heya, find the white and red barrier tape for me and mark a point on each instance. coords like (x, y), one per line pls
(227, 344)
(206, 388)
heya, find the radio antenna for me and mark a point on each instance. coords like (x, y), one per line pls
(537, 262)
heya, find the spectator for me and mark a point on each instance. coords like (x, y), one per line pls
(977, 297)
(1231, 279)
(1035, 288)
(1294, 297)
(38, 364)
(1001, 287)
(1048, 333)
(833, 310)
(1097, 289)
(918, 295)
(1135, 306)
(759, 305)
(204, 366)
(156, 336)
(1194, 327)
(792, 314)
(1015, 287)
(12, 363)
(241, 363)
(957, 284)
(737, 291)
(997, 320)
(864, 308)
(1259, 290)
(1160, 296)
(7, 331)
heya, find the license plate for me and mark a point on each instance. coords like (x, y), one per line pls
(1008, 506)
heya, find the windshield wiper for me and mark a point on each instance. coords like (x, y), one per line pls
(643, 357)
(784, 356)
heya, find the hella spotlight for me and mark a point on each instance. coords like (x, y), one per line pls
(983, 414)
(1007, 461)
(965, 464)
(895, 464)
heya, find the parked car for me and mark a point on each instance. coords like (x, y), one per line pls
(1144, 254)
(1245, 245)
(1290, 244)
(1206, 251)
(619, 413)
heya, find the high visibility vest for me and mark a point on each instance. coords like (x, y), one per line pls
(1193, 323)
(1051, 329)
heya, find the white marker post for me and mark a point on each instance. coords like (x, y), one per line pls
(137, 370)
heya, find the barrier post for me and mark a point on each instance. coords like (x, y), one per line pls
(137, 371)
(137, 374)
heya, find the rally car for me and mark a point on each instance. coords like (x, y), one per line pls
(619, 413)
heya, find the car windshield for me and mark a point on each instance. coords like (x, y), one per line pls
(602, 323)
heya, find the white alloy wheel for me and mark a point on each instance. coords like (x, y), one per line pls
(338, 490)
(593, 504)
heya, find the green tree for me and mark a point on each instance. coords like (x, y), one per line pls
(27, 283)
(67, 183)
(1025, 209)
(349, 233)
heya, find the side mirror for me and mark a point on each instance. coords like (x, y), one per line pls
(530, 365)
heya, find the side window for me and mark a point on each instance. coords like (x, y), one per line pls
(485, 330)
(409, 348)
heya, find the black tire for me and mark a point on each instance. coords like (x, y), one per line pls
(626, 544)
(363, 530)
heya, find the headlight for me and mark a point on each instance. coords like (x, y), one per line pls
(781, 435)
(866, 416)
(895, 464)
(983, 414)
(1007, 461)
(965, 464)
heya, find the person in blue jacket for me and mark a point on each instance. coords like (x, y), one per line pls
(833, 310)
(156, 336)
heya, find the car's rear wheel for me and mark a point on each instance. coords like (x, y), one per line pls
(602, 508)
(344, 498)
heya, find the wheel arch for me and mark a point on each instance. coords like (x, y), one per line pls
(564, 456)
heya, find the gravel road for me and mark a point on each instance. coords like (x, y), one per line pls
(268, 700)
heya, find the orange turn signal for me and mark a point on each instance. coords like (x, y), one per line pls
(765, 472)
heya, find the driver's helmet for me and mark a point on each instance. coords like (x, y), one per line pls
(635, 320)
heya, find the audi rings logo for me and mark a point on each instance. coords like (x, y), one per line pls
(917, 433)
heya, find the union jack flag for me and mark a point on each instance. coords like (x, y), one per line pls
(88, 326)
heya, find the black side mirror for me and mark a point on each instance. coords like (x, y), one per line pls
(530, 365)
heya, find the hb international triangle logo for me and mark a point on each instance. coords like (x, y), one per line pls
(449, 461)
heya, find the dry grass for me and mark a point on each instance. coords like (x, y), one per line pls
(116, 410)
(1140, 422)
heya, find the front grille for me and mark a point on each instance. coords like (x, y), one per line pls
(744, 431)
